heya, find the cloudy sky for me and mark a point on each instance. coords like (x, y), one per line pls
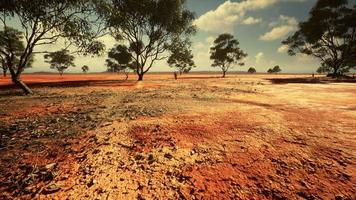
(259, 25)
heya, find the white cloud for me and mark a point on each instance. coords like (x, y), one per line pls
(282, 49)
(259, 57)
(283, 27)
(231, 13)
(251, 20)
(210, 41)
(198, 45)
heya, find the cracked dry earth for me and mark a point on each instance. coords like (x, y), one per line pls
(234, 138)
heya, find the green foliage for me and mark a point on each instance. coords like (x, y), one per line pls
(181, 56)
(45, 22)
(85, 68)
(275, 69)
(119, 59)
(225, 52)
(329, 35)
(60, 60)
(251, 70)
(11, 48)
(150, 26)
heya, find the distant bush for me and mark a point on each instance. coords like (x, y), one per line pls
(251, 70)
(275, 69)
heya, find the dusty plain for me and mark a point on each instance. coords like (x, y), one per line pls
(259, 136)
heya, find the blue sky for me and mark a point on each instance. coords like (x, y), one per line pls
(259, 25)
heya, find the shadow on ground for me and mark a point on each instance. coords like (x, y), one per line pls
(93, 83)
(311, 80)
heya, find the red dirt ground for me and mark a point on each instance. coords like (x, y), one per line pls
(199, 137)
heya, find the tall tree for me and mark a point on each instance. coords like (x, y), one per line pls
(329, 35)
(226, 52)
(11, 48)
(44, 22)
(181, 56)
(120, 60)
(60, 60)
(149, 26)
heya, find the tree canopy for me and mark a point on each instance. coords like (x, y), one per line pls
(251, 70)
(46, 22)
(120, 60)
(60, 60)
(11, 48)
(275, 69)
(329, 35)
(85, 68)
(149, 26)
(226, 52)
(181, 57)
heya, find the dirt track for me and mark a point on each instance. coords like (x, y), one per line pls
(200, 137)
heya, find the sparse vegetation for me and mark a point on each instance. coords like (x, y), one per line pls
(181, 57)
(85, 68)
(226, 52)
(150, 27)
(251, 70)
(120, 60)
(329, 35)
(274, 70)
(250, 136)
(60, 60)
(11, 48)
(44, 23)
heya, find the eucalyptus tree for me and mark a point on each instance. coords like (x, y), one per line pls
(45, 22)
(251, 70)
(60, 60)
(11, 48)
(149, 27)
(85, 68)
(329, 35)
(120, 60)
(181, 57)
(225, 52)
(275, 69)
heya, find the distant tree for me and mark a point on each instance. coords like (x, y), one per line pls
(149, 26)
(329, 35)
(85, 68)
(275, 69)
(43, 22)
(322, 70)
(225, 52)
(60, 60)
(181, 57)
(120, 60)
(11, 48)
(251, 70)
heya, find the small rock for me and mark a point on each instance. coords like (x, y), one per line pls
(168, 156)
(51, 189)
(51, 166)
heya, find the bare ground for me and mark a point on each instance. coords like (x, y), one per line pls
(200, 137)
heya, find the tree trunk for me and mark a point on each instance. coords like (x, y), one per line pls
(4, 73)
(224, 73)
(22, 85)
(140, 77)
(127, 76)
